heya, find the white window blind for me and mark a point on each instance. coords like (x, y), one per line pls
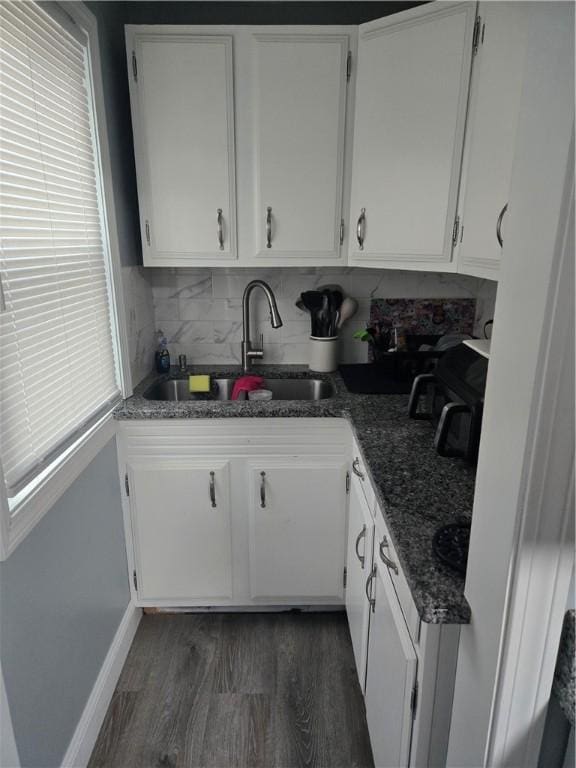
(58, 370)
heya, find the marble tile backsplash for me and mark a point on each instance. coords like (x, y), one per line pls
(140, 321)
(200, 310)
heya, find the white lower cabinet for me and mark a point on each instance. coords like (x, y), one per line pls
(391, 675)
(241, 513)
(406, 667)
(297, 517)
(358, 569)
(181, 527)
(238, 512)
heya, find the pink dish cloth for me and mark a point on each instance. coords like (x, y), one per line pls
(246, 384)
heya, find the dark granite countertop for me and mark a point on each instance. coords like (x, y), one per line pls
(564, 686)
(417, 489)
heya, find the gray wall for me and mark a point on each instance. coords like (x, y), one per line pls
(62, 595)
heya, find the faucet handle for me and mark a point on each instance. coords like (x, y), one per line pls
(261, 347)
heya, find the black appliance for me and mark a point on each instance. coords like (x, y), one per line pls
(393, 372)
(452, 398)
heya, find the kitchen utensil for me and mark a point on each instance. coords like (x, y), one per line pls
(347, 310)
(313, 301)
(335, 323)
(300, 304)
(331, 287)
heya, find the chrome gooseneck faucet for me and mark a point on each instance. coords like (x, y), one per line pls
(248, 353)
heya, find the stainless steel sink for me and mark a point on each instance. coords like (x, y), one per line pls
(282, 389)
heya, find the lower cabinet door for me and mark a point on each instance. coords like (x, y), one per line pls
(297, 520)
(391, 676)
(358, 568)
(180, 510)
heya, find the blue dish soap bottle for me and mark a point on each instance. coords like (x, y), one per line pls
(162, 356)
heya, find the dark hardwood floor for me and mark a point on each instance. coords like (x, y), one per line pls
(237, 691)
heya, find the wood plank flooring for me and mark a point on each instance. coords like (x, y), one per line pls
(237, 691)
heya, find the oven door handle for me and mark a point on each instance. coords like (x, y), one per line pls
(448, 412)
(420, 383)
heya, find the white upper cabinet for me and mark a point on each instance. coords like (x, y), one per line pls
(497, 78)
(411, 97)
(299, 92)
(182, 97)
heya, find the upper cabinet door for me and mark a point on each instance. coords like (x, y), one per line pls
(411, 98)
(299, 93)
(497, 78)
(182, 99)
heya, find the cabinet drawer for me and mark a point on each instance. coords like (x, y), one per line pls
(385, 553)
(359, 470)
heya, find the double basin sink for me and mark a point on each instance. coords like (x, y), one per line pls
(282, 389)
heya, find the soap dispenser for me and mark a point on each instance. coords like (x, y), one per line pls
(162, 356)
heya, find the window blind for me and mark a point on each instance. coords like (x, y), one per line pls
(58, 369)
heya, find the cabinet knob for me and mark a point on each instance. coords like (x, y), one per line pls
(369, 580)
(385, 559)
(356, 468)
(499, 225)
(360, 228)
(220, 229)
(212, 489)
(269, 227)
(359, 538)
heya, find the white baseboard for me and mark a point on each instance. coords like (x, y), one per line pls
(8, 749)
(84, 738)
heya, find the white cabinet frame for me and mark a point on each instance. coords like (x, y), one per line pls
(239, 442)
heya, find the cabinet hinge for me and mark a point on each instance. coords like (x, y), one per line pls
(134, 67)
(455, 230)
(348, 66)
(135, 580)
(347, 482)
(476, 35)
(126, 484)
(341, 231)
(147, 231)
(414, 700)
(345, 577)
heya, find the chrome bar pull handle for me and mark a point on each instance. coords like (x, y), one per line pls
(263, 490)
(369, 580)
(499, 225)
(385, 559)
(220, 230)
(360, 227)
(212, 489)
(359, 538)
(356, 468)
(269, 227)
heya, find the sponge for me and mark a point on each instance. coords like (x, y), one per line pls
(199, 383)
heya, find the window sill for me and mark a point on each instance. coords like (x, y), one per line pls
(39, 496)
